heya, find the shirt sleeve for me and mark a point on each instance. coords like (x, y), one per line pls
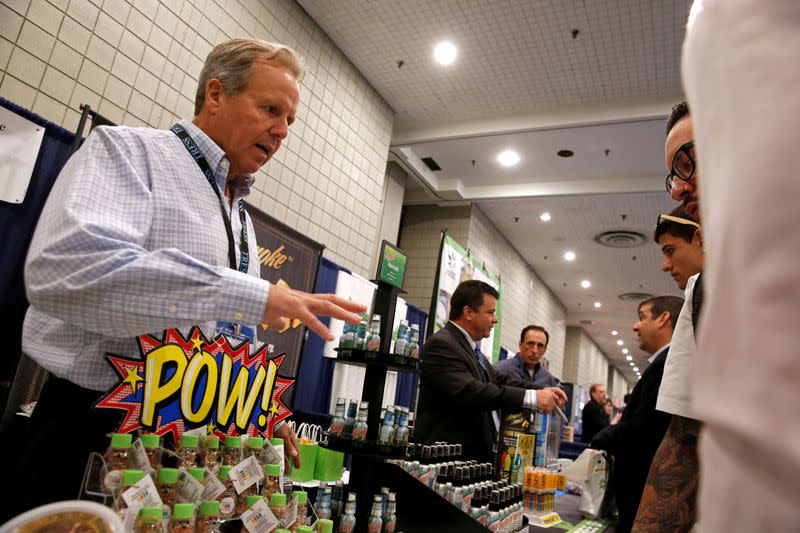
(89, 262)
(530, 399)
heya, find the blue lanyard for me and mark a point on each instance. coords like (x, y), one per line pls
(197, 154)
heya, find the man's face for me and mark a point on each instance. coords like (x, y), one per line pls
(483, 319)
(599, 394)
(683, 191)
(250, 126)
(647, 329)
(532, 347)
(681, 259)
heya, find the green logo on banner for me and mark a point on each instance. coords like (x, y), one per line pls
(393, 266)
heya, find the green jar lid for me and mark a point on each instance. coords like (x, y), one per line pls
(325, 525)
(276, 441)
(131, 477)
(281, 530)
(149, 441)
(302, 497)
(168, 475)
(233, 442)
(224, 472)
(121, 440)
(212, 441)
(209, 508)
(304, 529)
(183, 511)
(277, 498)
(197, 472)
(253, 499)
(255, 443)
(151, 514)
(188, 440)
(273, 470)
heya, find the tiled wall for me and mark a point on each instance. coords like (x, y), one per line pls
(620, 387)
(137, 63)
(584, 362)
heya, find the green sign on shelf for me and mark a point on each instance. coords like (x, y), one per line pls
(392, 269)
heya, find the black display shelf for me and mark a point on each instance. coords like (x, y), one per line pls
(368, 449)
(390, 361)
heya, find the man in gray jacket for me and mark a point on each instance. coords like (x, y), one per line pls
(525, 369)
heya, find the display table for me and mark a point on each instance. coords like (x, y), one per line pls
(567, 508)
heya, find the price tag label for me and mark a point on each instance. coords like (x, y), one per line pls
(140, 459)
(259, 518)
(142, 494)
(550, 519)
(246, 474)
(291, 514)
(189, 490)
(213, 487)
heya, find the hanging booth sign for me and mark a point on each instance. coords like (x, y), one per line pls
(181, 383)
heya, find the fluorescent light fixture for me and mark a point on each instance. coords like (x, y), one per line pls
(545, 217)
(615, 332)
(620, 342)
(508, 158)
(586, 284)
(569, 255)
(445, 53)
(631, 363)
(624, 350)
(636, 369)
(597, 305)
(629, 358)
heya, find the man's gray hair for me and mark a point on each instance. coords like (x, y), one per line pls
(232, 62)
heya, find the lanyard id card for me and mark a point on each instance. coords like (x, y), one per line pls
(237, 332)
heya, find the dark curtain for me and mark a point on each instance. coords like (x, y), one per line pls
(17, 222)
(315, 375)
(406, 392)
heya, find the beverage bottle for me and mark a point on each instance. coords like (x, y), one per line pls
(167, 485)
(302, 508)
(494, 511)
(350, 420)
(384, 499)
(128, 478)
(232, 452)
(210, 521)
(412, 348)
(361, 335)
(360, 427)
(402, 338)
(211, 455)
(149, 520)
(324, 509)
(476, 504)
(272, 481)
(117, 458)
(187, 450)
(325, 525)
(275, 454)
(348, 522)
(389, 519)
(337, 422)
(337, 495)
(227, 500)
(386, 433)
(197, 472)
(150, 443)
(277, 504)
(374, 339)
(305, 529)
(182, 518)
(253, 499)
(255, 446)
(348, 338)
(375, 523)
(401, 433)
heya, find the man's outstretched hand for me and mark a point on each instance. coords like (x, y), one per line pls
(287, 304)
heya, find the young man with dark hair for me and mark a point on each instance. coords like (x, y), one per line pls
(526, 367)
(634, 440)
(679, 236)
(459, 398)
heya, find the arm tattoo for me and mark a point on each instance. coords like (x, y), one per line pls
(669, 498)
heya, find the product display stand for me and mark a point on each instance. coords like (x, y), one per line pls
(367, 459)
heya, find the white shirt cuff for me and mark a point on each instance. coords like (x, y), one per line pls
(530, 399)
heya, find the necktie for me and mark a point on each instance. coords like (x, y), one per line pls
(481, 364)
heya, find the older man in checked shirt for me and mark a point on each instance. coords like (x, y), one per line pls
(141, 234)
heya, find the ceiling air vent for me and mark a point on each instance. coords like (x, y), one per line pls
(431, 164)
(620, 238)
(634, 296)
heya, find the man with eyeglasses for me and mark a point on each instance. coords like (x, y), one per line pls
(669, 499)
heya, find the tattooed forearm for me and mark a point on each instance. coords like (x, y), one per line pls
(669, 499)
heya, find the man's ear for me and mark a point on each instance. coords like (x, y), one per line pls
(663, 319)
(214, 94)
(698, 234)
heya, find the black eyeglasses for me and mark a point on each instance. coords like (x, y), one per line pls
(682, 165)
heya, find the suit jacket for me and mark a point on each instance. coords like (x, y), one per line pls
(635, 440)
(455, 405)
(594, 420)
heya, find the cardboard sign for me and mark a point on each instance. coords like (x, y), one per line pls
(178, 384)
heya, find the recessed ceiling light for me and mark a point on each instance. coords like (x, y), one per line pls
(631, 363)
(597, 305)
(624, 350)
(586, 284)
(620, 342)
(569, 255)
(508, 158)
(629, 358)
(636, 369)
(445, 53)
(615, 332)
(545, 217)
(565, 153)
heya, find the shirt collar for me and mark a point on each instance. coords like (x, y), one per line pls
(215, 155)
(470, 340)
(657, 353)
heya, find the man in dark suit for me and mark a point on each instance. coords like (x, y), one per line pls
(635, 439)
(460, 399)
(594, 417)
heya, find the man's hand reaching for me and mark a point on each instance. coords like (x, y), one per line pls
(550, 397)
